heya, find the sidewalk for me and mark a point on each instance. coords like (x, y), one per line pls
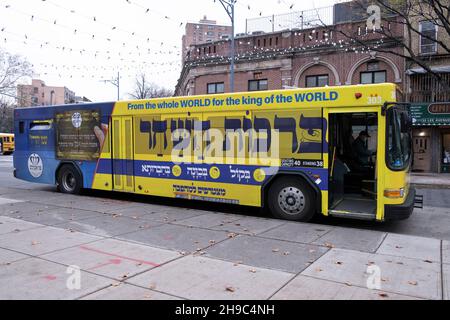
(174, 253)
(431, 180)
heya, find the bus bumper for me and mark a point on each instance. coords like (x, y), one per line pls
(402, 211)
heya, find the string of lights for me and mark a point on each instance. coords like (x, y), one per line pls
(96, 20)
(121, 52)
(76, 31)
(142, 52)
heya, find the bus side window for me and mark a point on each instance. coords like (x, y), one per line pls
(41, 125)
(21, 127)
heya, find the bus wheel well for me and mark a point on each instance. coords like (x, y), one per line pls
(65, 164)
(300, 175)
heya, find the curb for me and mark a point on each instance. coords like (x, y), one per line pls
(430, 186)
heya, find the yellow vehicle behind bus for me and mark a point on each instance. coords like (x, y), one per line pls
(335, 151)
(6, 143)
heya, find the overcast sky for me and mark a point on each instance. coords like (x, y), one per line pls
(78, 43)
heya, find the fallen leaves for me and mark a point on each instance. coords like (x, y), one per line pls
(230, 289)
(383, 295)
(329, 245)
(35, 243)
(413, 283)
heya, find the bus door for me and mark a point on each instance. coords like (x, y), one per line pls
(123, 154)
(353, 158)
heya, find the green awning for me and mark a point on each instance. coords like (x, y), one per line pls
(435, 114)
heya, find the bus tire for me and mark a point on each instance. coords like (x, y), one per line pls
(291, 198)
(69, 180)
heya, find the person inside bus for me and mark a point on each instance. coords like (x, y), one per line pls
(361, 152)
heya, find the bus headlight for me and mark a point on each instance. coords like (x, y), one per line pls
(394, 193)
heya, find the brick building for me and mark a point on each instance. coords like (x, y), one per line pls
(430, 100)
(205, 31)
(39, 94)
(296, 58)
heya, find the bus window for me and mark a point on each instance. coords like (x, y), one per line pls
(147, 139)
(398, 140)
(40, 126)
(300, 133)
(21, 127)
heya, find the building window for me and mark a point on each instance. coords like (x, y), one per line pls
(258, 85)
(317, 81)
(428, 37)
(370, 77)
(214, 88)
(373, 66)
(36, 90)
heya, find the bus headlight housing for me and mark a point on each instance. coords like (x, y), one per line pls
(394, 193)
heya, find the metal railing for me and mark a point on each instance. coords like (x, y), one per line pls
(295, 20)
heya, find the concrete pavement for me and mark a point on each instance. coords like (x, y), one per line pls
(157, 252)
(55, 246)
(431, 180)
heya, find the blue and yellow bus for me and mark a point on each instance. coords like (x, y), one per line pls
(335, 151)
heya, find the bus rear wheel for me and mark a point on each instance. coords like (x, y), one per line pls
(292, 199)
(69, 180)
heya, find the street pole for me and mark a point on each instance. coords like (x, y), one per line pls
(228, 5)
(116, 83)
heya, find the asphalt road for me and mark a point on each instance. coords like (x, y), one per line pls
(432, 222)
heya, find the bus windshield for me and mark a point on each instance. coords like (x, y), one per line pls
(398, 138)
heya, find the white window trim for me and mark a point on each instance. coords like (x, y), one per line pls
(436, 28)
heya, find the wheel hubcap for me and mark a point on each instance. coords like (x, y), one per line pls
(291, 200)
(69, 181)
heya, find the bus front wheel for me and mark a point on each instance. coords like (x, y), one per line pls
(69, 180)
(292, 199)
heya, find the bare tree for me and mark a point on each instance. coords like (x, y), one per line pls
(6, 116)
(406, 14)
(144, 89)
(13, 68)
